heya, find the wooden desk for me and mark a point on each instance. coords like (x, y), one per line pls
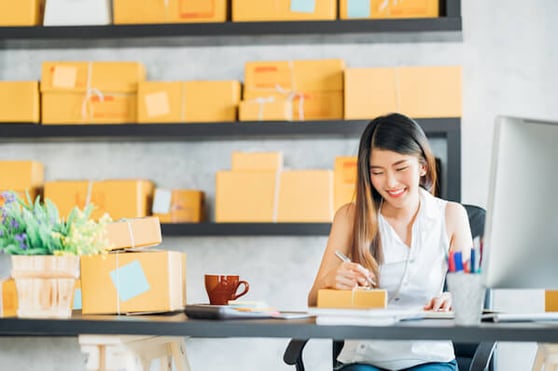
(180, 325)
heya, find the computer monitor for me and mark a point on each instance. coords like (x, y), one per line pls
(521, 233)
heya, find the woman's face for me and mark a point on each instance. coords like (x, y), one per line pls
(396, 176)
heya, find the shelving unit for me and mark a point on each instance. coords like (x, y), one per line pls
(245, 229)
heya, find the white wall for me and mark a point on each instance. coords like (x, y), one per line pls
(508, 54)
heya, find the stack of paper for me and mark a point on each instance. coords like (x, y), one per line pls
(363, 317)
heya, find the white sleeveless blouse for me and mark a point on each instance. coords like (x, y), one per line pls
(412, 277)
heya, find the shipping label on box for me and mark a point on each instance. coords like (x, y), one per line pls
(128, 282)
(358, 298)
(19, 101)
(21, 175)
(134, 233)
(305, 196)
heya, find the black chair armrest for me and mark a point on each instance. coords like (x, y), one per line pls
(483, 356)
(293, 353)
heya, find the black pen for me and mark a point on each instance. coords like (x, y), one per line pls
(342, 256)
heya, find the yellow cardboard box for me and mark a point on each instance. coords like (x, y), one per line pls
(551, 300)
(355, 299)
(318, 105)
(344, 180)
(305, 196)
(430, 91)
(8, 298)
(21, 175)
(188, 101)
(354, 9)
(279, 78)
(81, 108)
(21, 12)
(179, 205)
(146, 281)
(245, 196)
(370, 92)
(279, 10)
(90, 92)
(19, 101)
(170, 11)
(266, 109)
(257, 160)
(118, 198)
(134, 233)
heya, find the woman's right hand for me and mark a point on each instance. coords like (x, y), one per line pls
(350, 275)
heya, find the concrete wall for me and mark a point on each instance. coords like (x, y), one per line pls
(508, 54)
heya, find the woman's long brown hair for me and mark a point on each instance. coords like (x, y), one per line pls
(397, 133)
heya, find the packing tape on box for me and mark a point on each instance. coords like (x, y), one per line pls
(89, 93)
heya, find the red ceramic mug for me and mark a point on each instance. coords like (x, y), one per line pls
(222, 288)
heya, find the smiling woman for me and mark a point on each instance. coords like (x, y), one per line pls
(398, 234)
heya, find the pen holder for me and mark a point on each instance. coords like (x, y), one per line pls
(467, 292)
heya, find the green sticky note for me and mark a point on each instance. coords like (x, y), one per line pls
(303, 6)
(129, 281)
(358, 8)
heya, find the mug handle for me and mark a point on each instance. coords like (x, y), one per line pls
(246, 288)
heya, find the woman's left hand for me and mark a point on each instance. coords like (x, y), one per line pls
(440, 303)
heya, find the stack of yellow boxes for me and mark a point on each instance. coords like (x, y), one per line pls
(418, 92)
(378, 9)
(90, 92)
(133, 278)
(118, 198)
(188, 101)
(21, 12)
(19, 101)
(179, 205)
(283, 10)
(256, 189)
(169, 11)
(293, 90)
(21, 177)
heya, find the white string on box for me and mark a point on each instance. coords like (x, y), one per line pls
(89, 192)
(261, 102)
(88, 93)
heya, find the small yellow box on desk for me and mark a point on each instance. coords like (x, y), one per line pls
(128, 282)
(355, 9)
(134, 233)
(179, 205)
(21, 12)
(119, 198)
(21, 175)
(169, 11)
(19, 101)
(283, 10)
(352, 299)
(188, 101)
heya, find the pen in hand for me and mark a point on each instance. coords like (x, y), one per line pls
(345, 259)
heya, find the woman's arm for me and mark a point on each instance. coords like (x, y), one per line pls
(333, 273)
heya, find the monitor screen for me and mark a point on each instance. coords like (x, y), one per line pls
(521, 234)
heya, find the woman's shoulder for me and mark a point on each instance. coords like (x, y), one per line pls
(346, 211)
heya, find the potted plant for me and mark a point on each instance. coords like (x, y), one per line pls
(45, 250)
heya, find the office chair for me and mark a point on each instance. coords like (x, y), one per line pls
(469, 356)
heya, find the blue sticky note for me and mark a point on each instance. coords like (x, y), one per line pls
(129, 281)
(358, 8)
(303, 6)
(77, 299)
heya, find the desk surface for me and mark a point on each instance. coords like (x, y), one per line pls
(180, 325)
